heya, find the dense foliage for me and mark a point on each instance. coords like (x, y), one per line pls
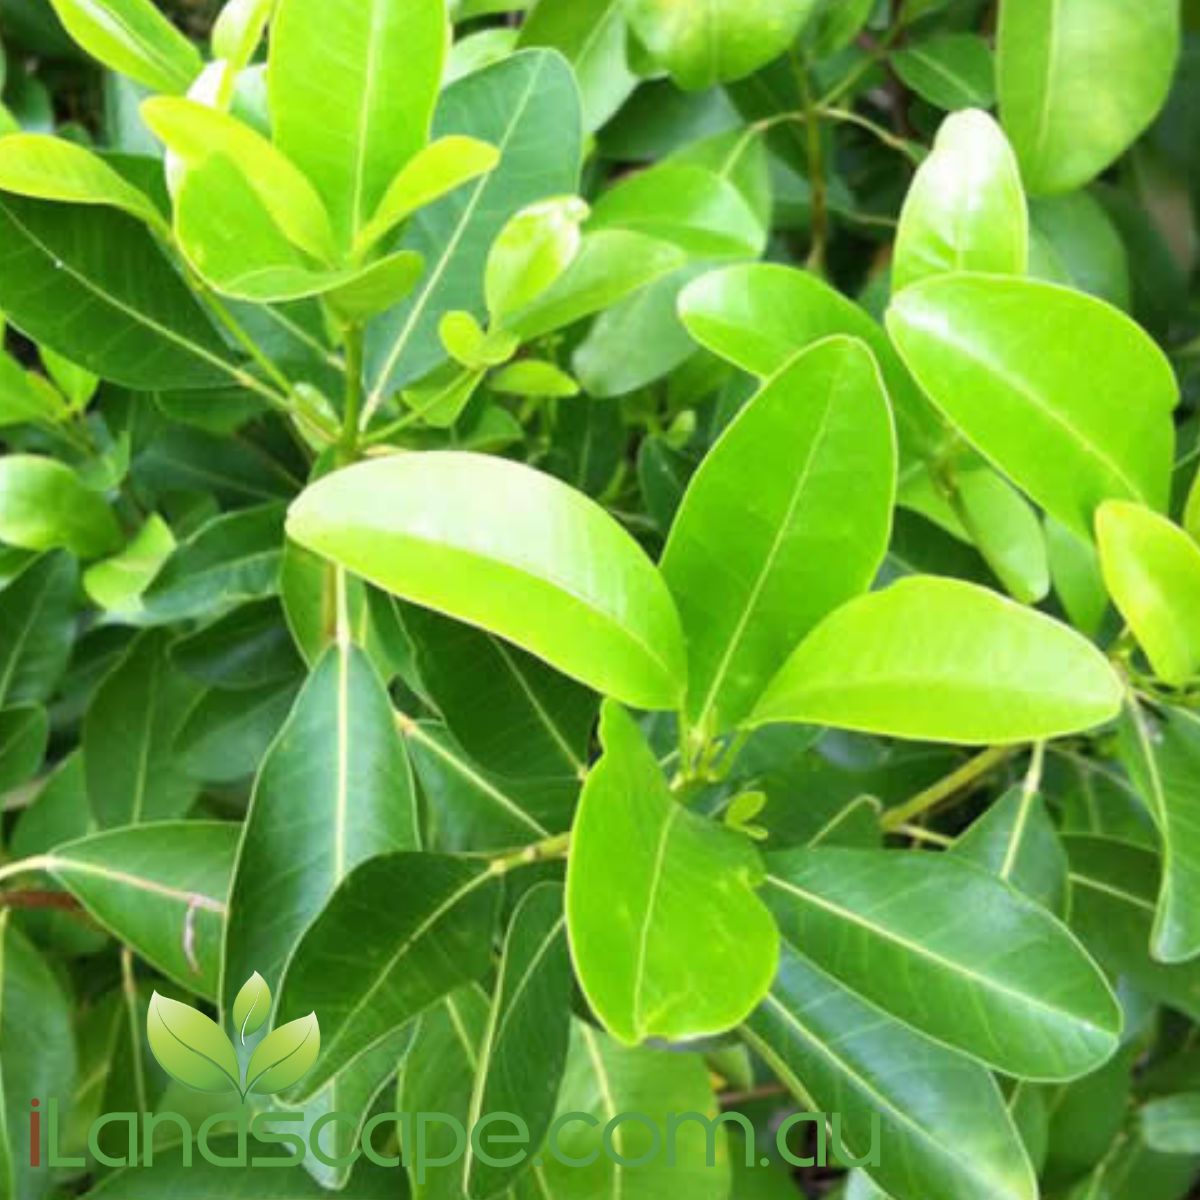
(639, 557)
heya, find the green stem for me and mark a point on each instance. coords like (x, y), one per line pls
(846, 116)
(352, 409)
(543, 851)
(946, 787)
(817, 183)
(876, 55)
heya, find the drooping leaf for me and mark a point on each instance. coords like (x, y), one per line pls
(1001, 358)
(952, 952)
(439, 938)
(524, 1051)
(965, 210)
(45, 505)
(649, 884)
(1151, 568)
(543, 566)
(786, 519)
(942, 660)
(943, 1131)
(334, 790)
(158, 888)
(1079, 80)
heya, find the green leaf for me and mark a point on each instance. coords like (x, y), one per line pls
(37, 619)
(964, 959)
(284, 1056)
(528, 107)
(1074, 241)
(759, 316)
(1002, 359)
(438, 937)
(1079, 80)
(434, 171)
(1152, 571)
(39, 1055)
(648, 883)
(1078, 583)
(1162, 759)
(51, 168)
(22, 400)
(532, 377)
(24, 734)
(335, 789)
(611, 265)
(133, 37)
(251, 1006)
(719, 41)
(787, 518)
(965, 210)
(191, 1047)
(377, 287)
(45, 505)
(950, 70)
(1171, 1124)
(129, 734)
(943, 1131)
(94, 285)
(524, 1049)
(531, 252)
(238, 30)
(353, 85)
(942, 660)
(116, 584)
(686, 206)
(545, 567)
(158, 888)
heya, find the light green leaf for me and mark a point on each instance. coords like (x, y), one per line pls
(1079, 80)
(513, 551)
(50, 168)
(117, 583)
(533, 377)
(943, 1130)
(158, 888)
(942, 660)
(284, 1056)
(1152, 571)
(133, 37)
(950, 70)
(76, 383)
(787, 518)
(524, 1049)
(667, 935)
(531, 252)
(353, 85)
(377, 287)
(1171, 1124)
(1060, 391)
(718, 41)
(44, 505)
(1016, 841)
(528, 107)
(433, 172)
(1078, 583)
(1162, 758)
(611, 264)
(251, 1006)
(238, 30)
(335, 789)
(92, 284)
(687, 206)
(21, 400)
(439, 936)
(965, 210)
(965, 959)
(759, 316)
(191, 1047)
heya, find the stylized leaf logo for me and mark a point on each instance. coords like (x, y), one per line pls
(284, 1056)
(190, 1047)
(251, 1007)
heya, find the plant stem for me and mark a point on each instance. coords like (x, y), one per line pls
(352, 410)
(946, 787)
(543, 851)
(888, 138)
(817, 183)
(24, 866)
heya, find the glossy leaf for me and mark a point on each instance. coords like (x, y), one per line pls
(1079, 80)
(786, 519)
(952, 70)
(24, 735)
(37, 617)
(440, 938)
(530, 253)
(603, 616)
(690, 950)
(942, 660)
(117, 583)
(239, 29)
(999, 357)
(966, 209)
(353, 85)
(45, 505)
(1152, 571)
(965, 959)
